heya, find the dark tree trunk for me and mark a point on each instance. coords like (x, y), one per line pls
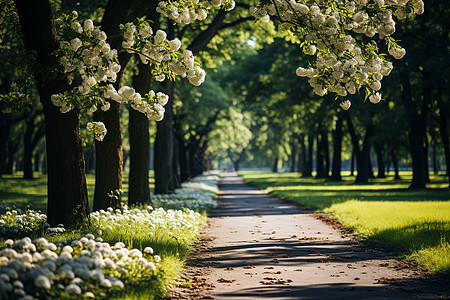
(444, 115)
(89, 157)
(275, 164)
(293, 154)
(67, 191)
(13, 147)
(321, 171)
(108, 161)
(184, 159)
(363, 160)
(176, 163)
(28, 153)
(417, 131)
(139, 190)
(164, 177)
(435, 162)
(395, 164)
(109, 155)
(309, 158)
(302, 155)
(352, 163)
(427, 173)
(337, 150)
(380, 161)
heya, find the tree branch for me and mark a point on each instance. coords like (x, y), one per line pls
(238, 21)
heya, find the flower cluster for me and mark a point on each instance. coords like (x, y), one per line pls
(14, 223)
(86, 59)
(98, 128)
(150, 104)
(328, 28)
(163, 55)
(186, 11)
(197, 194)
(176, 223)
(83, 268)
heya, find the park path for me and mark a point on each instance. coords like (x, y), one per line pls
(258, 247)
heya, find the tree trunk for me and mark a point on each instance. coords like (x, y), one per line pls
(293, 154)
(321, 171)
(164, 147)
(444, 115)
(337, 150)
(395, 164)
(275, 164)
(352, 163)
(139, 190)
(28, 152)
(417, 131)
(435, 162)
(302, 155)
(309, 158)
(380, 161)
(363, 160)
(176, 163)
(108, 161)
(67, 190)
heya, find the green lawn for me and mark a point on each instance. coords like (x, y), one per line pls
(14, 189)
(413, 223)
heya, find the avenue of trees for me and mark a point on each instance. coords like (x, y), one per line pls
(251, 110)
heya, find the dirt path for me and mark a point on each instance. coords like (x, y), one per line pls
(259, 247)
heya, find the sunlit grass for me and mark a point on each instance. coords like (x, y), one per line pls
(21, 192)
(414, 223)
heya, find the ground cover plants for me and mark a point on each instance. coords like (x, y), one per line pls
(132, 253)
(415, 224)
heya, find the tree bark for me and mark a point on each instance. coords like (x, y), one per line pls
(417, 124)
(293, 154)
(302, 155)
(309, 157)
(363, 160)
(380, 161)
(139, 190)
(395, 163)
(321, 171)
(164, 177)
(275, 164)
(67, 190)
(337, 150)
(443, 117)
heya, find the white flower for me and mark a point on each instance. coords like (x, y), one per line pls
(310, 50)
(345, 105)
(73, 289)
(148, 250)
(175, 44)
(160, 36)
(88, 25)
(157, 258)
(75, 44)
(76, 27)
(375, 98)
(42, 282)
(106, 106)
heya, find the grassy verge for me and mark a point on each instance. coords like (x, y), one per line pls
(169, 229)
(23, 193)
(413, 223)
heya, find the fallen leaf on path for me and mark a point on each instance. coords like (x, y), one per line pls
(385, 280)
(268, 268)
(298, 270)
(248, 267)
(225, 280)
(275, 261)
(356, 278)
(277, 272)
(229, 269)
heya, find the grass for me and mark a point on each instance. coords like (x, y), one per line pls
(172, 247)
(21, 192)
(413, 223)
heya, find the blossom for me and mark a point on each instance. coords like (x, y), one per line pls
(375, 98)
(345, 105)
(42, 282)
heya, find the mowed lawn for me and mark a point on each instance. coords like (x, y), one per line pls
(413, 223)
(22, 193)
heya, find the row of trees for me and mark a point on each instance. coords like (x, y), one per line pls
(184, 143)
